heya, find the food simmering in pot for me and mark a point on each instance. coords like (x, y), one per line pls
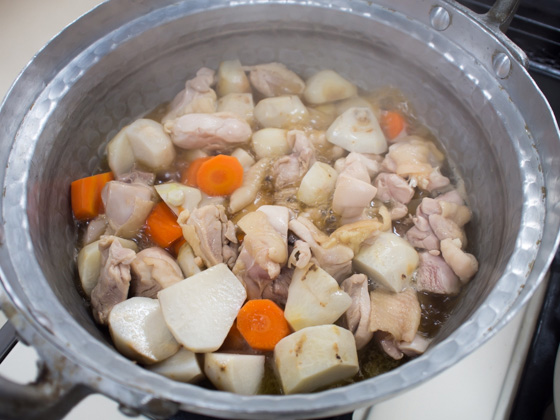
(266, 234)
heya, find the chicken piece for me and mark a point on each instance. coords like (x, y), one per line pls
(336, 260)
(114, 278)
(398, 349)
(357, 315)
(388, 345)
(274, 79)
(395, 313)
(436, 180)
(446, 228)
(452, 196)
(210, 234)
(197, 97)
(358, 165)
(356, 234)
(96, 227)
(435, 276)
(353, 191)
(153, 269)
(394, 190)
(300, 255)
(288, 171)
(417, 346)
(459, 214)
(252, 182)
(464, 265)
(216, 132)
(421, 235)
(264, 252)
(417, 160)
(277, 290)
(127, 206)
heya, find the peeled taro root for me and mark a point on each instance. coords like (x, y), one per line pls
(139, 331)
(315, 357)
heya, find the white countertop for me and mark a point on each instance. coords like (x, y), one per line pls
(479, 387)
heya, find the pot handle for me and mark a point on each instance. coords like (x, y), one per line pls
(496, 21)
(501, 13)
(47, 398)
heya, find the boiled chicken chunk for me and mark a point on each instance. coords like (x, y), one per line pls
(434, 275)
(114, 278)
(210, 234)
(153, 269)
(220, 131)
(262, 255)
(197, 97)
(335, 260)
(395, 313)
(357, 315)
(288, 170)
(463, 264)
(275, 79)
(353, 191)
(252, 181)
(394, 190)
(418, 160)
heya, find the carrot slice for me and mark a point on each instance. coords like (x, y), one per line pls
(162, 226)
(262, 324)
(188, 177)
(85, 195)
(392, 123)
(220, 175)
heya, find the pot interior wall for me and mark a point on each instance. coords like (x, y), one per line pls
(131, 71)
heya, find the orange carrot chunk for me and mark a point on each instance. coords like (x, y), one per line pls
(220, 175)
(262, 324)
(392, 123)
(162, 226)
(85, 195)
(188, 177)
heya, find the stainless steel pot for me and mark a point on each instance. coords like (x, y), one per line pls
(466, 79)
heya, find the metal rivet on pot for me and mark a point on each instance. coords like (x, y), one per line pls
(440, 18)
(501, 64)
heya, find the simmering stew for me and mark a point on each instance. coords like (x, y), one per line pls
(266, 234)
